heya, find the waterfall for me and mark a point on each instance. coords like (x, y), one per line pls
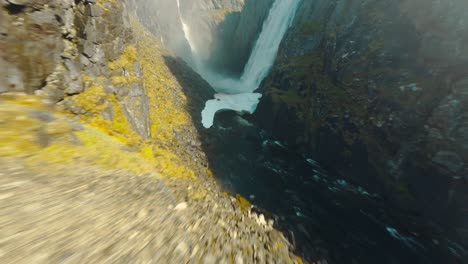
(237, 94)
(186, 30)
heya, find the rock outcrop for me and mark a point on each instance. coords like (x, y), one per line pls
(378, 91)
(56, 48)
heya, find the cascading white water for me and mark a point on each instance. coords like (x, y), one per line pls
(237, 94)
(186, 30)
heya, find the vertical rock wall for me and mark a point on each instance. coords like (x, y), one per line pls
(378, 91)
(56, 48)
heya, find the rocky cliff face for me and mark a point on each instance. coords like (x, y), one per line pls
(163, 19)
(57, 48)
(378, 91)
(203, 17)
(222, 32)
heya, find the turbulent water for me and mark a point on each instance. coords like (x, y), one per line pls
(328, 217)
(259, 64)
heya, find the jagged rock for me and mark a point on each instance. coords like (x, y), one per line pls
(71, 67)
(89, 49)
(98, 57)
(91, 32)
(74, 87)
(45, 16)
(96, 11)
(21, 2)
(84, 60)
(14, 79)
(136, 108)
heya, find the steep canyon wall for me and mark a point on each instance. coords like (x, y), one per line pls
(378, 90)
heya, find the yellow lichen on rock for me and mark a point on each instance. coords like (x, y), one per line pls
(126, 60)
(125, 67)
(167, 100)
(166, 105)
(18, 131)
(243, 203)
(91, 100)
(43, 137)
(104, 4)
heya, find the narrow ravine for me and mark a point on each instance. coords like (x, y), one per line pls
(234, 131)
(325, 216)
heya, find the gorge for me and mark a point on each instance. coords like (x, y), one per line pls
(234, 131)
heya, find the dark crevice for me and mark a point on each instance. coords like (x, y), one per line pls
(59, 19)
(14, 9)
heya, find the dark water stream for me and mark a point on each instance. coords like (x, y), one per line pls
(325, 216)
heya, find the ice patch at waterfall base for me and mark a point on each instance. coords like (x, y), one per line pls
(238, 94)
(242, 103)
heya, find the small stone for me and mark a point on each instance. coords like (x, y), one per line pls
(143, 213)
(182, 248)
(209, 259)
(181, 206)
(261, 220)
(6, 195)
